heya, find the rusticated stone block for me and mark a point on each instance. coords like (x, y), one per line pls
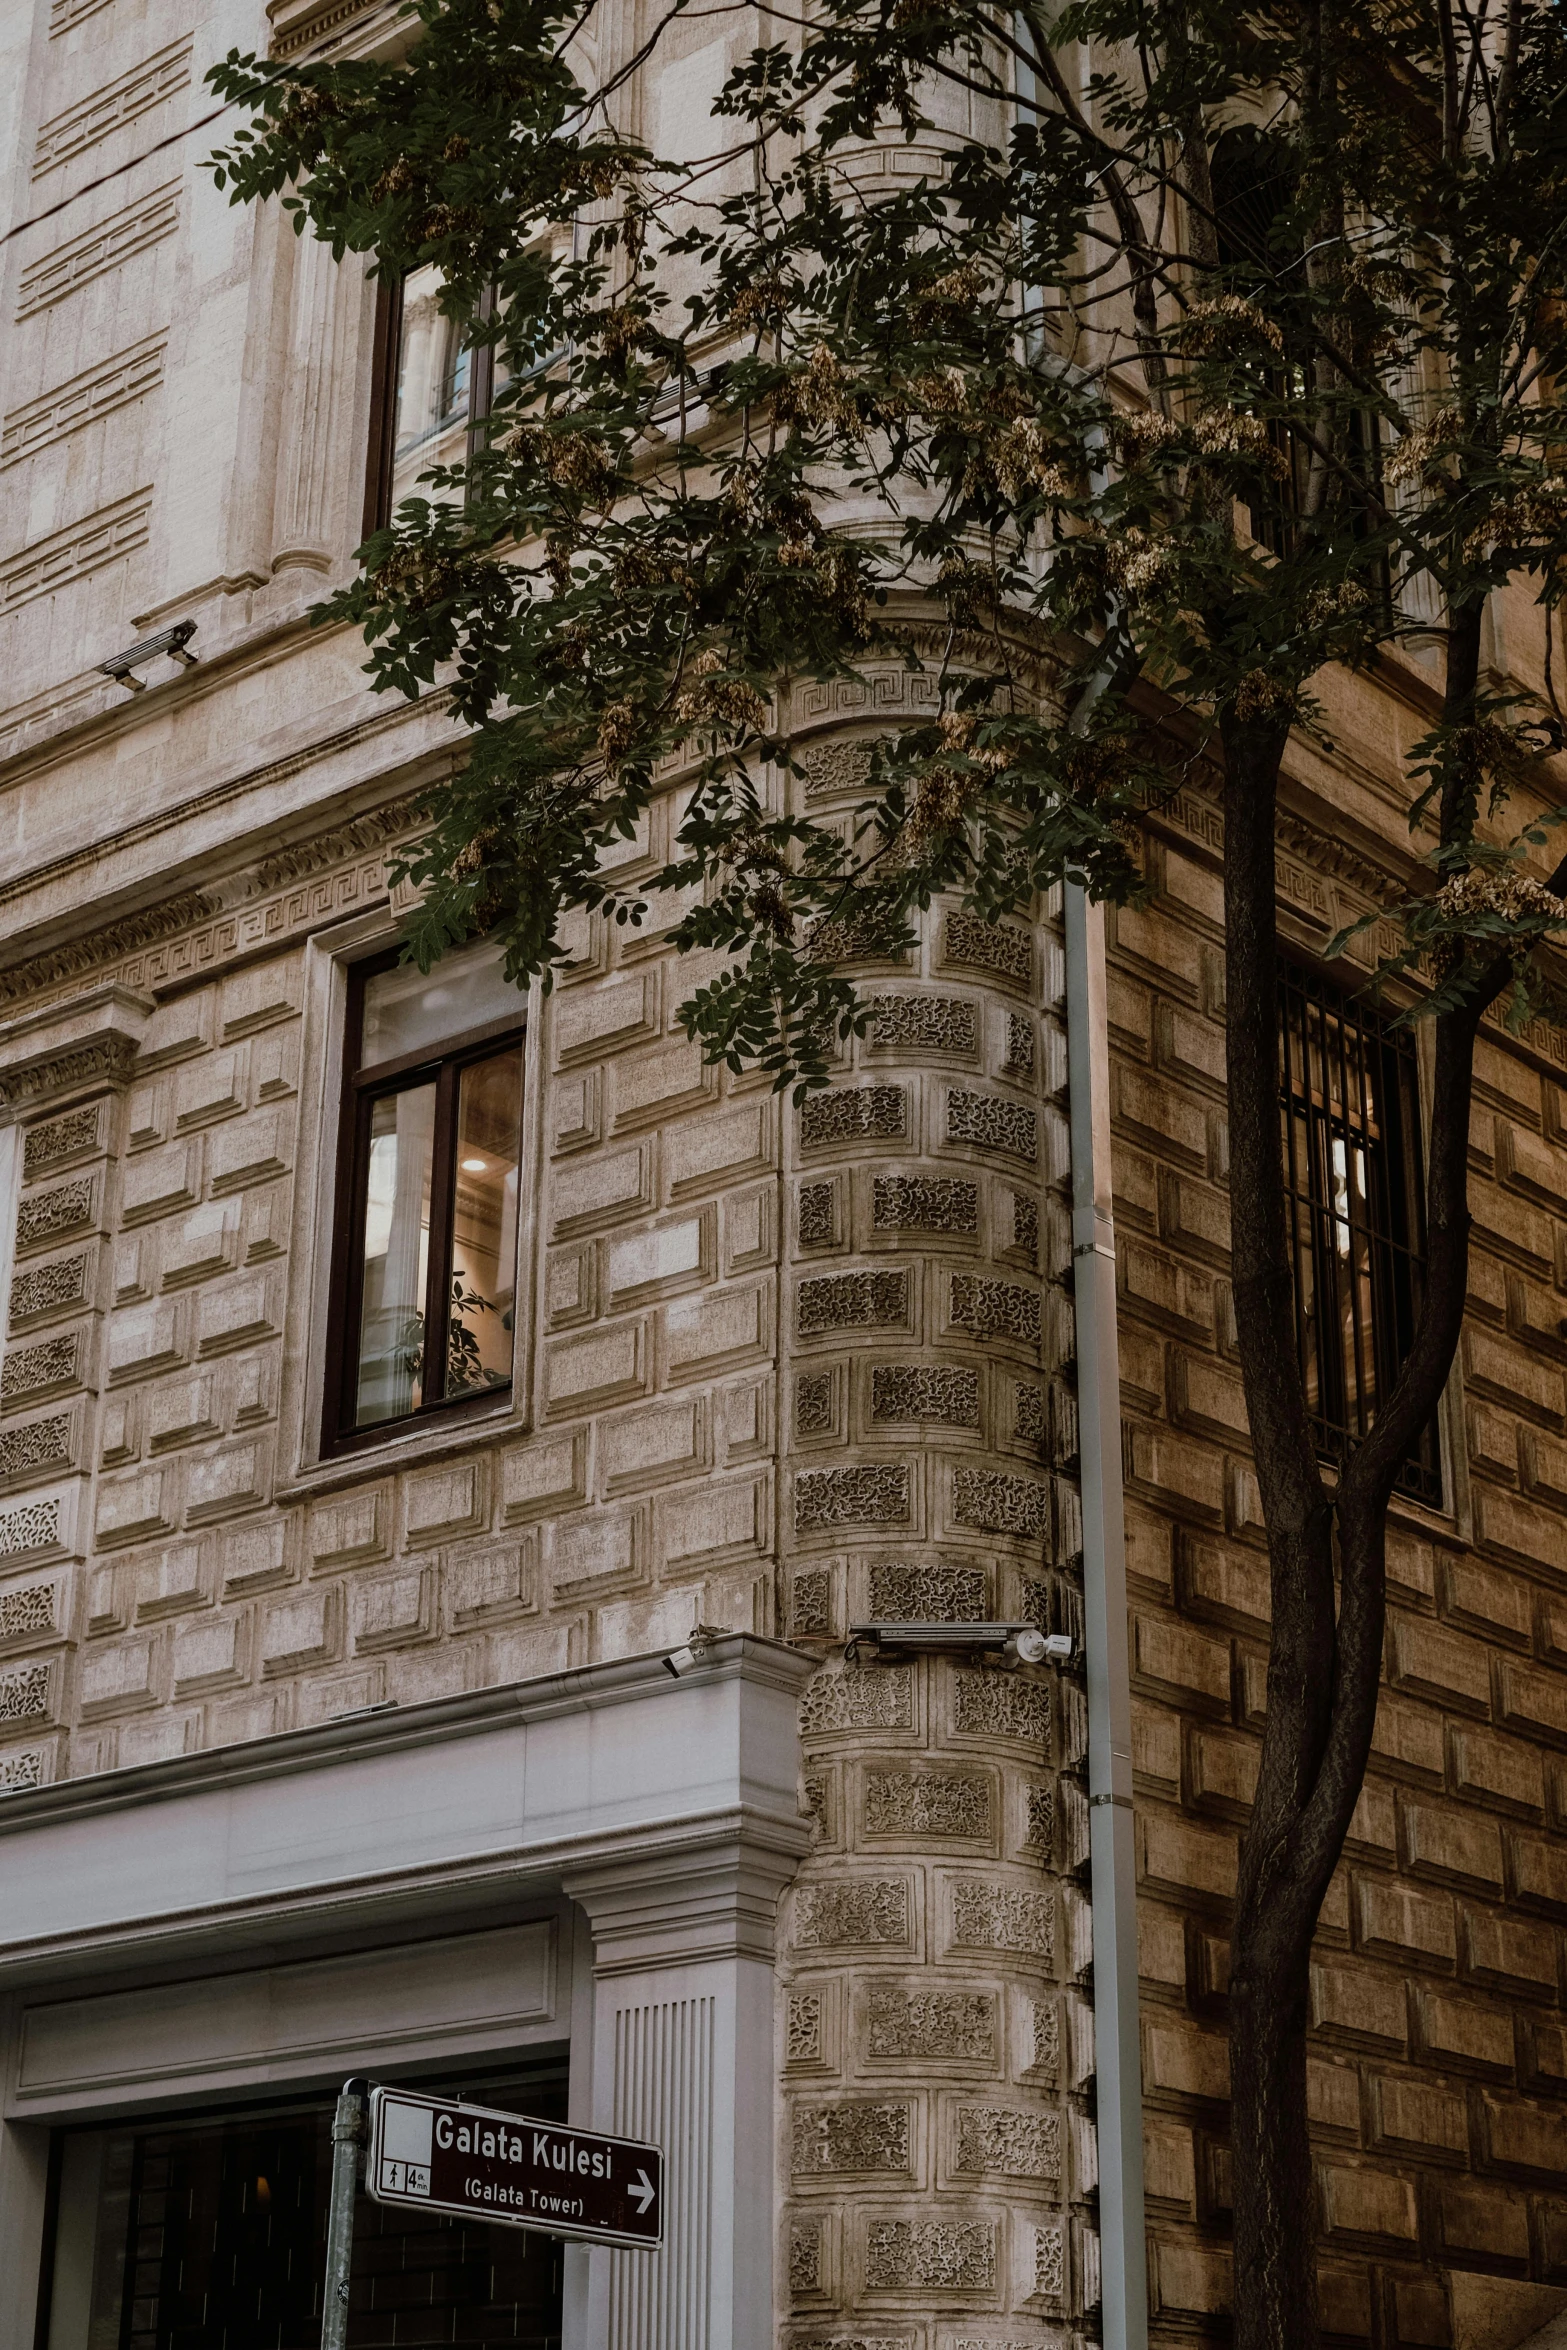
(854, 2136)
(19, 1771)
(60, 1138)
(854, 1113)
(803, 2028)
(29, 1368)
(1397, 1922)
(1018, 2145)
(854, 1910)
(1050, 2261)
(805, 2256)
(924, 1023)
(1450, 1843)
(64, 1209)
(995, 1309)
(1000, 1505)
(31, 1609)
(990, 946)
(926, 1803)
(925, 1391)
(32, 1527)
(39, 1445)
(813, 1403)
(992, 1124)
(1368, 2203)
(853, 1301)
(1000, 1705)
(932, 2256)
(905, 1593)
(932, 2024)
(924, 1203)
(836, 767)
(1462, 2031)
(867, 1494)
(1003, 1917)
(810, 1602)
(45, 1289)
(879, 1698)
(816, 1216)
(24, 1693)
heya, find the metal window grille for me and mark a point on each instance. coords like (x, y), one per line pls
(1354, 1203)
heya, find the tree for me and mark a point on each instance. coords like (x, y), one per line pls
(1206, 349)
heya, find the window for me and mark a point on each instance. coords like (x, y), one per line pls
(209, 2233)
(1354, 1200)
(431, 392)
(425, 1280)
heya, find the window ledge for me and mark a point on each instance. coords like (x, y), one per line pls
(414, 1448)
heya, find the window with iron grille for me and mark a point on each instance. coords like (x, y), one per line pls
(1354, 1201)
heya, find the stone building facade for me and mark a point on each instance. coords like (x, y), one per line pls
(320, 1757)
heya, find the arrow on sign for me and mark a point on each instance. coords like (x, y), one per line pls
(642, 2188)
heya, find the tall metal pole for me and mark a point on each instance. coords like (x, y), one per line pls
(348, 2135)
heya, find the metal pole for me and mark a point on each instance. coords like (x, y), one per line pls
(348, 2135)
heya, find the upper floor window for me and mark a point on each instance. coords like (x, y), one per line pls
(432, 392)
(1354, 1198)
(426, 1269)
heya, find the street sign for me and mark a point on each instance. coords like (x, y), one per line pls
(431, 2154)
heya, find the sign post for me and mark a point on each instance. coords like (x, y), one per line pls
(437, 2154)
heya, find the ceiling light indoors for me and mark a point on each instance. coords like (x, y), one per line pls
(474, 1166)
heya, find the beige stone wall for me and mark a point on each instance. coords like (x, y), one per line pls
(1438, 2068)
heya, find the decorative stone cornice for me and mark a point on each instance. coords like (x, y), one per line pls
(91, 1039)
(59, 965)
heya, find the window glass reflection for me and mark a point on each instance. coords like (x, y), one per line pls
(396, 1255)
(434, 369)
(406, 1009)
(484, 1242)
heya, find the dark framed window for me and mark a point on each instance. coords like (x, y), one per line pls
(208, 2232)
(431, 391)
(425, 1272)
(1349, 1098)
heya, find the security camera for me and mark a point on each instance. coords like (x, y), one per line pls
(1060, 1648)
(681, 1660)
(1027, 1647)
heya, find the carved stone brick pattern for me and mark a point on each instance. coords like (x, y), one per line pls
(60, 1210)
(836, 767)
(1028, 1412)
(861, 1909)
(854, 1301)
(28, 1368)
(1001, 1917)
(857, 2136)
(925, 1023)
(999, 1504)
(32, 1527)
(41, 1444)
(810, 1603)
(60, 1138)
(24, 1693)
(869, 1494)
(815, 1215)
(930, 2256)
(43, 1288)
(813, 1403)
(1018, 2145)
(28, 1610)
(992, 1124)
(1001, 1705)
(881, 1697)
(1045, 2025)
(926, 1803)
(904, 1593)
(1050, 2262)
(924, 1391)
(931, 2024)
(803, 2027)
(855, 1113)
(995, 1309)
(19, 1771)
(924, 1203)
(1020, 1044)
(990, 946)
(805, 2256)
(1041, 1820)
(1025, 1224)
